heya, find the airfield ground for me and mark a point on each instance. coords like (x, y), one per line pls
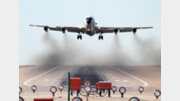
(130, 77)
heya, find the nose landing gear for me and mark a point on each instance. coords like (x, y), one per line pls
(79, 37)
(100, 37)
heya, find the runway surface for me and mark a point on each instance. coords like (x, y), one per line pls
(130, 77)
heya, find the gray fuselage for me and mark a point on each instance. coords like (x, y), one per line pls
(90, 26)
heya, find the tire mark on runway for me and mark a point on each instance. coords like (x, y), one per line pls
(86, 73)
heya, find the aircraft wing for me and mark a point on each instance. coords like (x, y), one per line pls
(76, 29)
(119, 29)
(63, 29)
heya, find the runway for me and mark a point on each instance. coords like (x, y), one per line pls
(130, 77)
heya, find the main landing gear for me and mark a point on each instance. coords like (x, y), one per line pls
(100, 37)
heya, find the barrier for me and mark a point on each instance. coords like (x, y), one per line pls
(75, 85)
(102, 86)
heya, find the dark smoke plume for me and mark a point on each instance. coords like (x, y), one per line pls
(71, 53)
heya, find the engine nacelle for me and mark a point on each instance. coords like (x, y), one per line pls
(46, 28)
(115, 31)
(134, 30)
(64, 30)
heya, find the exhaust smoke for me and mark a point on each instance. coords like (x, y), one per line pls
(148, 51)
(70, 52)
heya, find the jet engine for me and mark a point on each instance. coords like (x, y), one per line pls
(64, 30)
(46, 28)
(115, 31)
(134, 30)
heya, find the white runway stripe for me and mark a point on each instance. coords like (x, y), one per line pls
(26, 82)
(145, 83)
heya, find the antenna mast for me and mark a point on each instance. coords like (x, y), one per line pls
(92, 10)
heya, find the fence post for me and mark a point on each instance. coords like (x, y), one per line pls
(68, 86)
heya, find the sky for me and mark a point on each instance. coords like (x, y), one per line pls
(144, 48)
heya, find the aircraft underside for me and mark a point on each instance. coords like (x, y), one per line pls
(91, 29)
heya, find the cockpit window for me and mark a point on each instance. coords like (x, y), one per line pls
(92, 18)
(88, 18)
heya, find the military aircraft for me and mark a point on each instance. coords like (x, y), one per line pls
(91, 28)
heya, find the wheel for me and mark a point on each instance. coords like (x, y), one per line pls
(102, 37)
(80, 37)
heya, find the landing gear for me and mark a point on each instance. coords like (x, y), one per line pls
(79, 37)
(100, 37)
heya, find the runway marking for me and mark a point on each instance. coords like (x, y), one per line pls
(145, 83)
(26, 82)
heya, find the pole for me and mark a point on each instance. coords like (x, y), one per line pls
(100, 93)
(122, 95)
(68, 86)
(87, 94)
(109, 93)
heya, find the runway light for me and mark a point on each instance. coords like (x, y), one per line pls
(53, 90)
(134, 99)
(21, 99)
(141, 89)
(60, 87)
(114, 88)
(77, 99)
(157, 93)
(87, 83)
(87, 89)
(20, 90)
(34, 88)
(122, 90)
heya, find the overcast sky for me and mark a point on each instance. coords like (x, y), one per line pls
(122, 13)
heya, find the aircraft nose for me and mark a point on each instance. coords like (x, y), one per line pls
(89, 20)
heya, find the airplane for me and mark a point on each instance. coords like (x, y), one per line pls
(91, 29)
